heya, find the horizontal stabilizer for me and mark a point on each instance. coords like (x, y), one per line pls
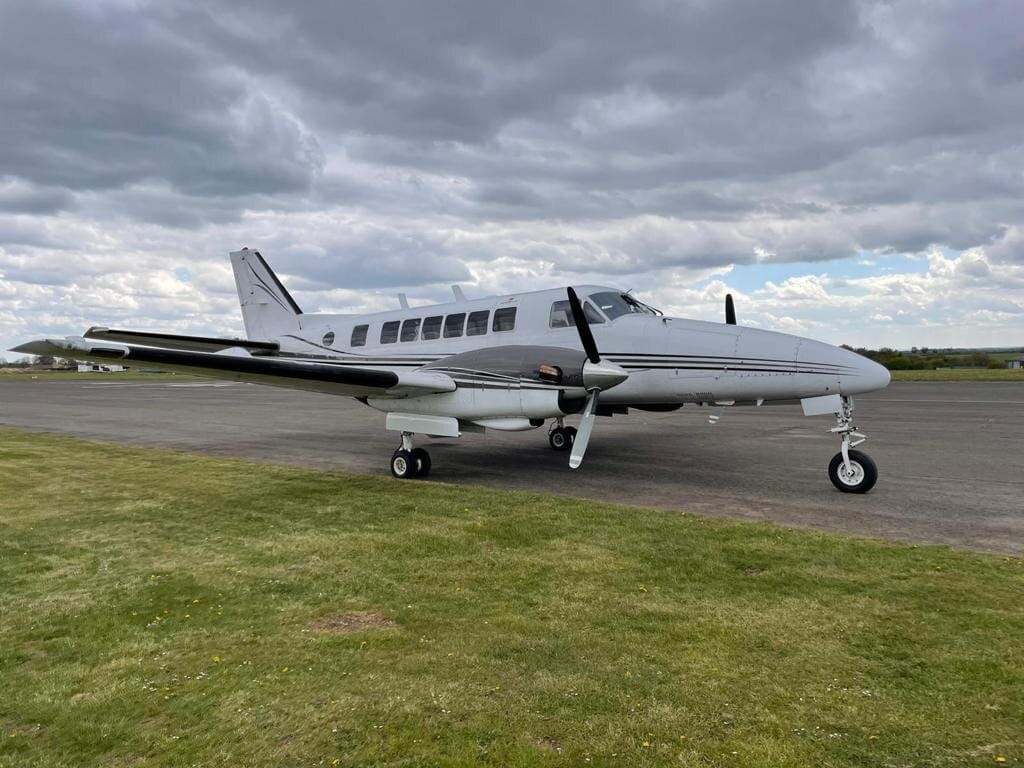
(174, 341)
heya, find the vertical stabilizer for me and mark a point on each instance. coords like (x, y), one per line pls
(268, 310)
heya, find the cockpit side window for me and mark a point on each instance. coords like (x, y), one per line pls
(617, 304)
(561, 315)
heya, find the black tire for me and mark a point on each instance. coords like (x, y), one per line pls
(404, 465)
(559, 439)
(571, 432)
(422, 462)
(865, 473)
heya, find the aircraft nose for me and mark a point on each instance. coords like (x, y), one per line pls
(869, 375)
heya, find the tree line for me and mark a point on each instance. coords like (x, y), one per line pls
(927, 359)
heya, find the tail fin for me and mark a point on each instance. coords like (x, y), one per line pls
(268, 310)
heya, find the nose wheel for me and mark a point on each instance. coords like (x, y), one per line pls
(856, 473)
(408, 462)
(851, 471)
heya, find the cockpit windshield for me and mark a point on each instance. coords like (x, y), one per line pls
(617, 304)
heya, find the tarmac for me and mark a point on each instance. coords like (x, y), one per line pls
(950, 455)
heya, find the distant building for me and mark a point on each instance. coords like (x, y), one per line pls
(96, 368)
(1017, 363)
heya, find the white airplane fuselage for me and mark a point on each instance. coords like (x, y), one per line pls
(670, 361)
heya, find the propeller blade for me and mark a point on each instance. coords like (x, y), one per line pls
(583, 327)
(730, 310)
(579, 445)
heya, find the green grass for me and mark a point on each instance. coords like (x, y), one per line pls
(960, 374)
(158, 608)
(23, 375)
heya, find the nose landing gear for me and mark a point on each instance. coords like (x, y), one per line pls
(851, 471)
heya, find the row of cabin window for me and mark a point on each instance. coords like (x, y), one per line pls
(429, 328)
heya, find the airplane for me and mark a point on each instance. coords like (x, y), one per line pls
(509, 363)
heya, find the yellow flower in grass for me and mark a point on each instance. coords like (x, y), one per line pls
(216, 659)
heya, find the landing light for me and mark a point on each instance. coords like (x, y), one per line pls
(550, 373)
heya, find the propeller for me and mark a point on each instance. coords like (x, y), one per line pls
(583, 327)
(597, 375)
(730, 310)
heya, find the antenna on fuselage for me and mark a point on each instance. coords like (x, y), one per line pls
(403, 302)
(458, 294)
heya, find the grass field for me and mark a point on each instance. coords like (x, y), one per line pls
(960, 374)
(164, 608)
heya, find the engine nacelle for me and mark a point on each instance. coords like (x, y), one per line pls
(479, 403)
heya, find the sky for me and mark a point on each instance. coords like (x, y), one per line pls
(850, 171)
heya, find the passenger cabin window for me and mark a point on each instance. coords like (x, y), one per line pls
(477, 325)
(389, 332)
(504, 319)
(328, 339)
(431, 328)
(410, 329)
(561, 315)
(453, 325)
(359, 335)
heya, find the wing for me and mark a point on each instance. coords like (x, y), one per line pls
(239, 360)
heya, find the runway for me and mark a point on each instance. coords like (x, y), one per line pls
(949, 454)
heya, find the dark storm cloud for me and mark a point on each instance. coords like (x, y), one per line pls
(97, 96)
(791, 130)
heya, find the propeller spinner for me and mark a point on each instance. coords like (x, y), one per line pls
(598, 374)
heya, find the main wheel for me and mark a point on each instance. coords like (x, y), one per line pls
(422, 462)
(404, 464)
(861, 478)
(561, 439)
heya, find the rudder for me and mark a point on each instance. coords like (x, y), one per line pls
(268, 310)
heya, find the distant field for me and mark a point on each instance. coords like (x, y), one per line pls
(18, 375)
(168, 609)
(960, 374)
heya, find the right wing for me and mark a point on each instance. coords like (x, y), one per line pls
(239, 360)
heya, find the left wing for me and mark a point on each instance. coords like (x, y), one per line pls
(240, 360)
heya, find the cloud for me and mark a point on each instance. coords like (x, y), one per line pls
(372, 147)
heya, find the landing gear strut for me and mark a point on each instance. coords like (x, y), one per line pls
(408, 462)
(851, 471)
(561, 437)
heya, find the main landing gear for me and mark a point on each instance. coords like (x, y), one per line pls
(561, 437)
(408, 462)
(851, 471)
